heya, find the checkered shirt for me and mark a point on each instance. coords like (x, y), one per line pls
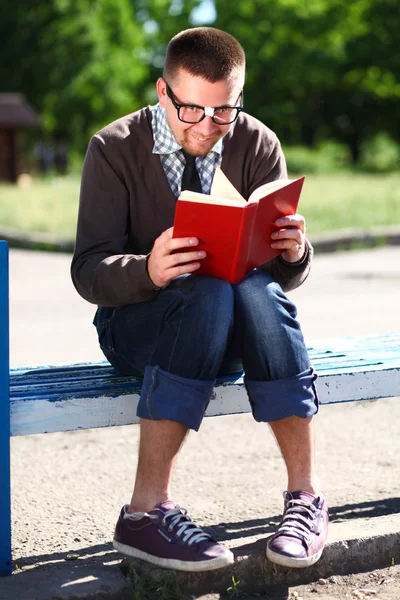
(172, 158)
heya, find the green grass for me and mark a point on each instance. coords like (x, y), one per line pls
(332, 202)
(47, 205)
(143, 584)
(329, 202)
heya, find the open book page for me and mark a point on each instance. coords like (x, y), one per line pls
(224, 192)
(189, 196)
(268, 188)
(223, 188)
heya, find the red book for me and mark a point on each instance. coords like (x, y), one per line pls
(235, 233)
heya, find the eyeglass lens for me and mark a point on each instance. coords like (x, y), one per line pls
(194, 114)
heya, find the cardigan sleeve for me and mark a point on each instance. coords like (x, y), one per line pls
(102, 272)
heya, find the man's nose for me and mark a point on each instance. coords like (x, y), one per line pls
(206, 126)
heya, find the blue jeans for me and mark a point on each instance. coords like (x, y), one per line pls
(200, 327)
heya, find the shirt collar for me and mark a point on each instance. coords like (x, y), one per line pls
(164, 139)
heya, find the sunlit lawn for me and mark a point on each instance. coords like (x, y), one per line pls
(46, 206)
(329, 202)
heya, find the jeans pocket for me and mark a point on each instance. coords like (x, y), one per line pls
(102, 322)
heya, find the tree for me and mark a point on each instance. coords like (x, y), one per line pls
(316, 69)
(76, 61)
(319, 68)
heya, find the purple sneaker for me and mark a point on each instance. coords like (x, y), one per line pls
(301, 535)
(167, 537)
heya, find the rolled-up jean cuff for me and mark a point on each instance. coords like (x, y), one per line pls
(292, 397)
(168, 396)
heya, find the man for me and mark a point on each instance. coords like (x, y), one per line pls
(156, 318)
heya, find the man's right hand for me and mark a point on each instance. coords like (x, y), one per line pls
(165, 263)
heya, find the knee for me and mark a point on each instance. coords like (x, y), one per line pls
(214, 296)
(208, 300)
(260, 295)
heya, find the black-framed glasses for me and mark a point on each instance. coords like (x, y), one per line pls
(191, 113)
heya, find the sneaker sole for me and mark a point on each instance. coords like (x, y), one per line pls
(172, 563)
(297, 563)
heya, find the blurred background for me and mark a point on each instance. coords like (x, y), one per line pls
(323, 74)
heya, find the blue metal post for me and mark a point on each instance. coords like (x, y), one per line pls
(5, 495)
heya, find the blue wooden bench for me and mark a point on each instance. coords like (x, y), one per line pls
(45, 399)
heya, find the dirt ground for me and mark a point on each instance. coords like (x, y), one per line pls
(67, 488)
(382, 584)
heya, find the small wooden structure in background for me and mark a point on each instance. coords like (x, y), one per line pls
(15, 113)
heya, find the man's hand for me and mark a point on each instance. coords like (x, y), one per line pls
(291, 237)
(163, 265)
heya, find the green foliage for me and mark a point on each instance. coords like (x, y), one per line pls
(381, 154)
(144, 586)
(85, 63)
(350, 201)
(329, 202)
(328, 157)
(233, 590)
(74, 59)
(320, 69)
(316, 70)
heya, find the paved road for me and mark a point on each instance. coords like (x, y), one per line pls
(348, 293)
(67, 487)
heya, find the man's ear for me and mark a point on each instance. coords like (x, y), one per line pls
(161, 91)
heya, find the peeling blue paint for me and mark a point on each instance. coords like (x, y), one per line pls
(5, 500)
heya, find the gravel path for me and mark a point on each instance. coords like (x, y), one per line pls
(67, 488)
(382, 584)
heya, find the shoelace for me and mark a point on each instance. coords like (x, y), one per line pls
(186, 529)
(297, 520)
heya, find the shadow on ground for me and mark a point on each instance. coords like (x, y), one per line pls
(100, 572)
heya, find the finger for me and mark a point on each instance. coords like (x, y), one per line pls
(297, 221)
(168, 274)
(168, 232)
(182, 269)
(289, 234)
(180, 258)
(164, 267)
(291, 245)
(165, 235)
(172, 244)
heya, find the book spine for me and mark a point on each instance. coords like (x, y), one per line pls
(240, 260)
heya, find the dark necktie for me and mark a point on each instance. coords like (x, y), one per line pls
(190, 177)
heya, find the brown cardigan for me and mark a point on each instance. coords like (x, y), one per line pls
(126, 203)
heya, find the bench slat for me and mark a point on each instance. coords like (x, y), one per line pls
(99, 378)
(109, 384)
(65, 413)
(85, 395)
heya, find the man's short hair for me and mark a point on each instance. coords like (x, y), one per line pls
(204, 52)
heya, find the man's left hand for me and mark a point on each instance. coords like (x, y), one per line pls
(290, 237)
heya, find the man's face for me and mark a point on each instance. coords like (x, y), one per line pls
(198, 138)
